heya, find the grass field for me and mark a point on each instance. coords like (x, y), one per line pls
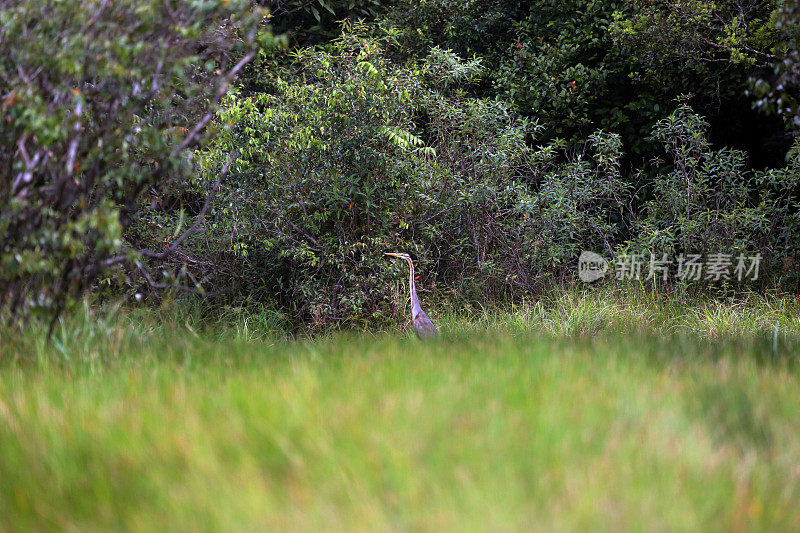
(587, 412)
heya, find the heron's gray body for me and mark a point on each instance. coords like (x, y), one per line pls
(423, 326)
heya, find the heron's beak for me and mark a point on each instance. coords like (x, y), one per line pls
(393, 257)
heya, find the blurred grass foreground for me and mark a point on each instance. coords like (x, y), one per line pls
(587, 412)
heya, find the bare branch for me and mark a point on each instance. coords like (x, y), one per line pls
(73, 145)
(24, 178)
(223, 88)
(95, 15)
(200, 216)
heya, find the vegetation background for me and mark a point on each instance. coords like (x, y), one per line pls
(149, 148)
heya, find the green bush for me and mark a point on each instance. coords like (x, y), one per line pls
(709, 201)
(582, 65)
(319, 180)
(352, 155)
(562, 67)
(510, 217)
(98, 100)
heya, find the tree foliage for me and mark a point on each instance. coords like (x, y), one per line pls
(100, 101)
(777, 89)
(708, 200)
(309, 22)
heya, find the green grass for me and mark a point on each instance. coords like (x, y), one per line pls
(588, 411)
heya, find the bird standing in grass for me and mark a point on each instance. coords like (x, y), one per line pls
(423, 326)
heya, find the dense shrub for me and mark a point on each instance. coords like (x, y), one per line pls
(99, 102)
(709, 201)
(697, 32)
(468, 27)
(510, 216)
(319, 180)
(352, 156)
(562, 68)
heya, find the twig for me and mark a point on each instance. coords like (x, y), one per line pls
(223, 88)
(200, 216)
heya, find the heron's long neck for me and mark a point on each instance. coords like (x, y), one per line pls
(415, 307)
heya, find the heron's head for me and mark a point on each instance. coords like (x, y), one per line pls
(400, 255)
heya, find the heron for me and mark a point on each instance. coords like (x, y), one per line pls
(423, 326)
